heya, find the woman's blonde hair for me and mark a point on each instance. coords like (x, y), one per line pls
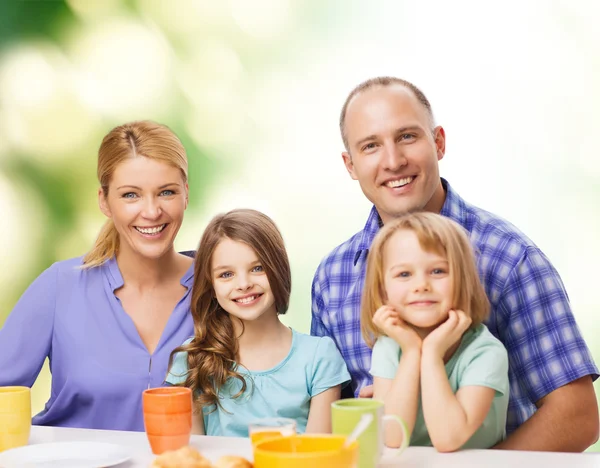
(214, 349)
(436, 234)
(131, 140)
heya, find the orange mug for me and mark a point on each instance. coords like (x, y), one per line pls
(302, 451)
(167, 417)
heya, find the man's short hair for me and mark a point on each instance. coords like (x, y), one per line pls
(382, 81)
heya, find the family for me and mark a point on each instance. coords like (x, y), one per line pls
(445, 312)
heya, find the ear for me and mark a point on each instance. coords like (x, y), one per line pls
(103, 204)
(349, 165)
(187, 195)
(439, 135)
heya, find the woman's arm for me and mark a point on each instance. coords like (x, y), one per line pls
(26, 337)
(400, 395)
(319, 415)
(451, 419)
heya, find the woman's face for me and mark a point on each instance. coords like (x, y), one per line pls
(146, 201)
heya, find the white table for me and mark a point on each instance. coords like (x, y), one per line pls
(413, 457)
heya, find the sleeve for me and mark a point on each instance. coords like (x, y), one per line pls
(26, 337)
(317, 327)
(487, 367)
(544, 344)
(385, 358)
(177, 374)
(329, 368)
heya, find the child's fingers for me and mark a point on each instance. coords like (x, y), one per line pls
(464, 321)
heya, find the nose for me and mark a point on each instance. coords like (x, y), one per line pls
(421, 283)
(243, 282)
(151, 208)
(393, 156)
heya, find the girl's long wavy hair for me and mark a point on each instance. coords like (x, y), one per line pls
(438, 234)
(213, 352)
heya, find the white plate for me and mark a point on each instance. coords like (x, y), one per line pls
(64, 455)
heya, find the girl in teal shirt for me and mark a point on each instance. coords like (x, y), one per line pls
(434, 364)
(243, 363)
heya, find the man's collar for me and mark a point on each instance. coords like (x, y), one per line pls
(454, 207)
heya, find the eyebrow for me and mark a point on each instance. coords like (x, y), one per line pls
(406, 265)
(397, 131)
(139, 188)
(228, 267)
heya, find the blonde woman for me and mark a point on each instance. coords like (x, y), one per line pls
(434, 363)
(109, 320)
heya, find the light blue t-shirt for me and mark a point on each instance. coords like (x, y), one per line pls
(312, 366)
(481, 360)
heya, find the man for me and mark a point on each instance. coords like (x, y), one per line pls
(392, 148)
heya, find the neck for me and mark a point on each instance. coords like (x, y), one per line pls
(436, 203)
(259, 333)
(146, 272)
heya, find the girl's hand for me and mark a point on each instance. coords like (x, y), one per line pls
(389, 322)
(447, 334)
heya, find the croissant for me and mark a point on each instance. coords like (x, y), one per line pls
(230, 461)
(189, 457)
(185, 457)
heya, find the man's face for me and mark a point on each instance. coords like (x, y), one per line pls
(393, 151)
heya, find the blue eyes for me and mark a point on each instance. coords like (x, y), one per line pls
(229, 274)
(403, 137)
(133, 195)
(434, 272)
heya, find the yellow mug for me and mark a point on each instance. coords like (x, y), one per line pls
(302, 451)
(15, 417)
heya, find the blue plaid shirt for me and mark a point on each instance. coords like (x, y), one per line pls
(530, 310)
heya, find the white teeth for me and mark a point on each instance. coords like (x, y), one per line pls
(153, 230)
(399, 182)
(246, 300)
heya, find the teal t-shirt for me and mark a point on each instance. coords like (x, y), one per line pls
(481, 359)
(312, 366)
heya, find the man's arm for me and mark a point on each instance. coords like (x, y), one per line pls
(317, 327)
(541, 329)
(566, 421)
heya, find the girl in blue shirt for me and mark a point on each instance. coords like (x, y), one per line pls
(243, 363)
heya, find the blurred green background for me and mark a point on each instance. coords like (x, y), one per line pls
(254, 89)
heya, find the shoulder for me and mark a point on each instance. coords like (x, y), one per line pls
(344, 252)
(483, 342)
(501, 247)
(490, 229)
(65, 269)
(309, 344)
(315, 349)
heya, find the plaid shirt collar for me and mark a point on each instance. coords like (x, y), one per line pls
(454, 207)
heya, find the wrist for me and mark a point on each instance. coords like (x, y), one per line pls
(429, 353)
(412, 353)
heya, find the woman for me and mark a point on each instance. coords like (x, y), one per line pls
(108, 321)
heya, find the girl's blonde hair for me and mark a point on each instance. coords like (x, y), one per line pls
(131, 140)
(214, 349)
(436, 234)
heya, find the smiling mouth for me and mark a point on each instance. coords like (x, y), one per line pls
(400, 182)
(247, 299)
(151, 231)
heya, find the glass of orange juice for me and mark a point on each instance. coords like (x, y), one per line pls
(261, 429)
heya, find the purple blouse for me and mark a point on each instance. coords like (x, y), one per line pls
(99, 364)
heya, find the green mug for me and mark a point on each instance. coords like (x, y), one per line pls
(345, 415)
